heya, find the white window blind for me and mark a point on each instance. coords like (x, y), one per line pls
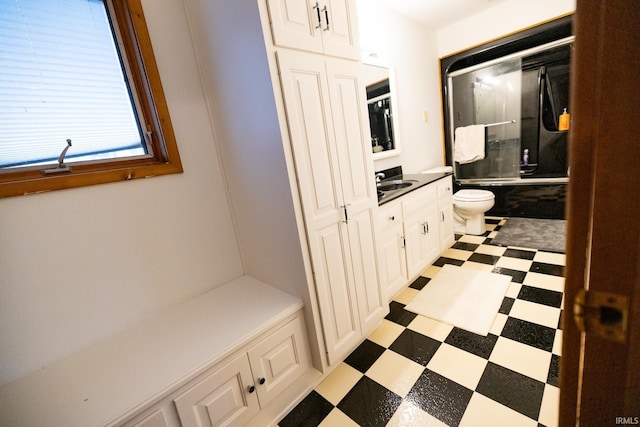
(61, 78)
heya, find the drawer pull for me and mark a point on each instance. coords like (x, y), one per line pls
(251, 388)
(262, 381)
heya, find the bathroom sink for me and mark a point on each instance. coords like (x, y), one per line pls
(395, 185)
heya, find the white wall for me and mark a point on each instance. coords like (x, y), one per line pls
(78, 265)
(502, 19)
(411, 50)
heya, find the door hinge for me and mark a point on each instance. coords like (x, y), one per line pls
(603, 314)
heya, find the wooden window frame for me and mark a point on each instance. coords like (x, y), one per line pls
(135, 41)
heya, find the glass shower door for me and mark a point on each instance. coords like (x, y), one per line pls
(488, 95)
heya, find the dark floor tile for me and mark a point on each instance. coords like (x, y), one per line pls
(560, 319)
(532, 334)
(441, 397)
(399, 315)
(519, 253)
(543, 268)
(554, 370)
(442, 261)
(419, 283)
(516, 275)
(370, 404)
(473, 343)
(465, 246)
(517, 391)
(492, 220)
(541, 296)
(484, 258)
(364, 356)
(507, 303)
(308, 413)
(417, 347)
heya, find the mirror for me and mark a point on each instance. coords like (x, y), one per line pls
(382, 110)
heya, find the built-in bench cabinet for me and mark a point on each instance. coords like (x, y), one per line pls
(412, 232)
(233, 356)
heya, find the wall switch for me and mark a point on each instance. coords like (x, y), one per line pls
(425, 116)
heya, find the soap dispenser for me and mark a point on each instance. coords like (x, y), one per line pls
(564, 120)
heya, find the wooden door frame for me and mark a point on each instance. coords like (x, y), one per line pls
(598, 378)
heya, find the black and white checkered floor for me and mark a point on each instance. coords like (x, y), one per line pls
(415, 371)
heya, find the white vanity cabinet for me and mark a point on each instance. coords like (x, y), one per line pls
(327, 120)
(412, 232)
(327, 27)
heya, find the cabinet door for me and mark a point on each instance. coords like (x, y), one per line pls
(340, 28)
(391, 253)
(445, 212)
(279, 359)
(306, 95)
(163, 416)
(296, 24)
(319, 26)
(420, 215)
(357, 181)
(220, 398)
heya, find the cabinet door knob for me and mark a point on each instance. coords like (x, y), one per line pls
(392, 218)
(262, 380)
(251, 388)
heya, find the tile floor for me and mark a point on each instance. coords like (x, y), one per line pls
(414, 371)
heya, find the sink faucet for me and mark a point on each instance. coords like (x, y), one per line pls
(379, 177)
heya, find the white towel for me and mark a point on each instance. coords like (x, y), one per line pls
(469, 144)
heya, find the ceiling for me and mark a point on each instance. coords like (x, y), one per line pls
(438, 13)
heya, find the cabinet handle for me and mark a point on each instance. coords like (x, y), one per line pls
(326, 17)
(403, 242)
(425, 228)
(442, 216)
(251, 388)
(262, 380)
(392, 218)
(346, 215)
(317, 8)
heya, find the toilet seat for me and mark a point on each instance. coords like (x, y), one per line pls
(473, 196)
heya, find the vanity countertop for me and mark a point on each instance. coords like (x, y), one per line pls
(422, 178)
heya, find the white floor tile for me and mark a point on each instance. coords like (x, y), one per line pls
(409, 415)
(458, 365)
(338, 383)
(395, 372)
(337, 418)
(386, 333)
(544, 281)
(535, 313)
(522, 358)
(549, 411)
(430, 327)
(483, 411)
(514, 263)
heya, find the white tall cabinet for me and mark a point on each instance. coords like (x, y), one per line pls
(328, 129)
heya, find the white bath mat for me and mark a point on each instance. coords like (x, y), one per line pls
(462, 297)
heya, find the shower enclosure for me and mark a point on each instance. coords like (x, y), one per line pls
(516, 88)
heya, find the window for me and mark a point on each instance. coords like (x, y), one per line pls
(80, 96)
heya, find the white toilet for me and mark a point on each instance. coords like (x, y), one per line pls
(469, 207)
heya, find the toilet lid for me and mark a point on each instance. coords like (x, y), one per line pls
(473, 195)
